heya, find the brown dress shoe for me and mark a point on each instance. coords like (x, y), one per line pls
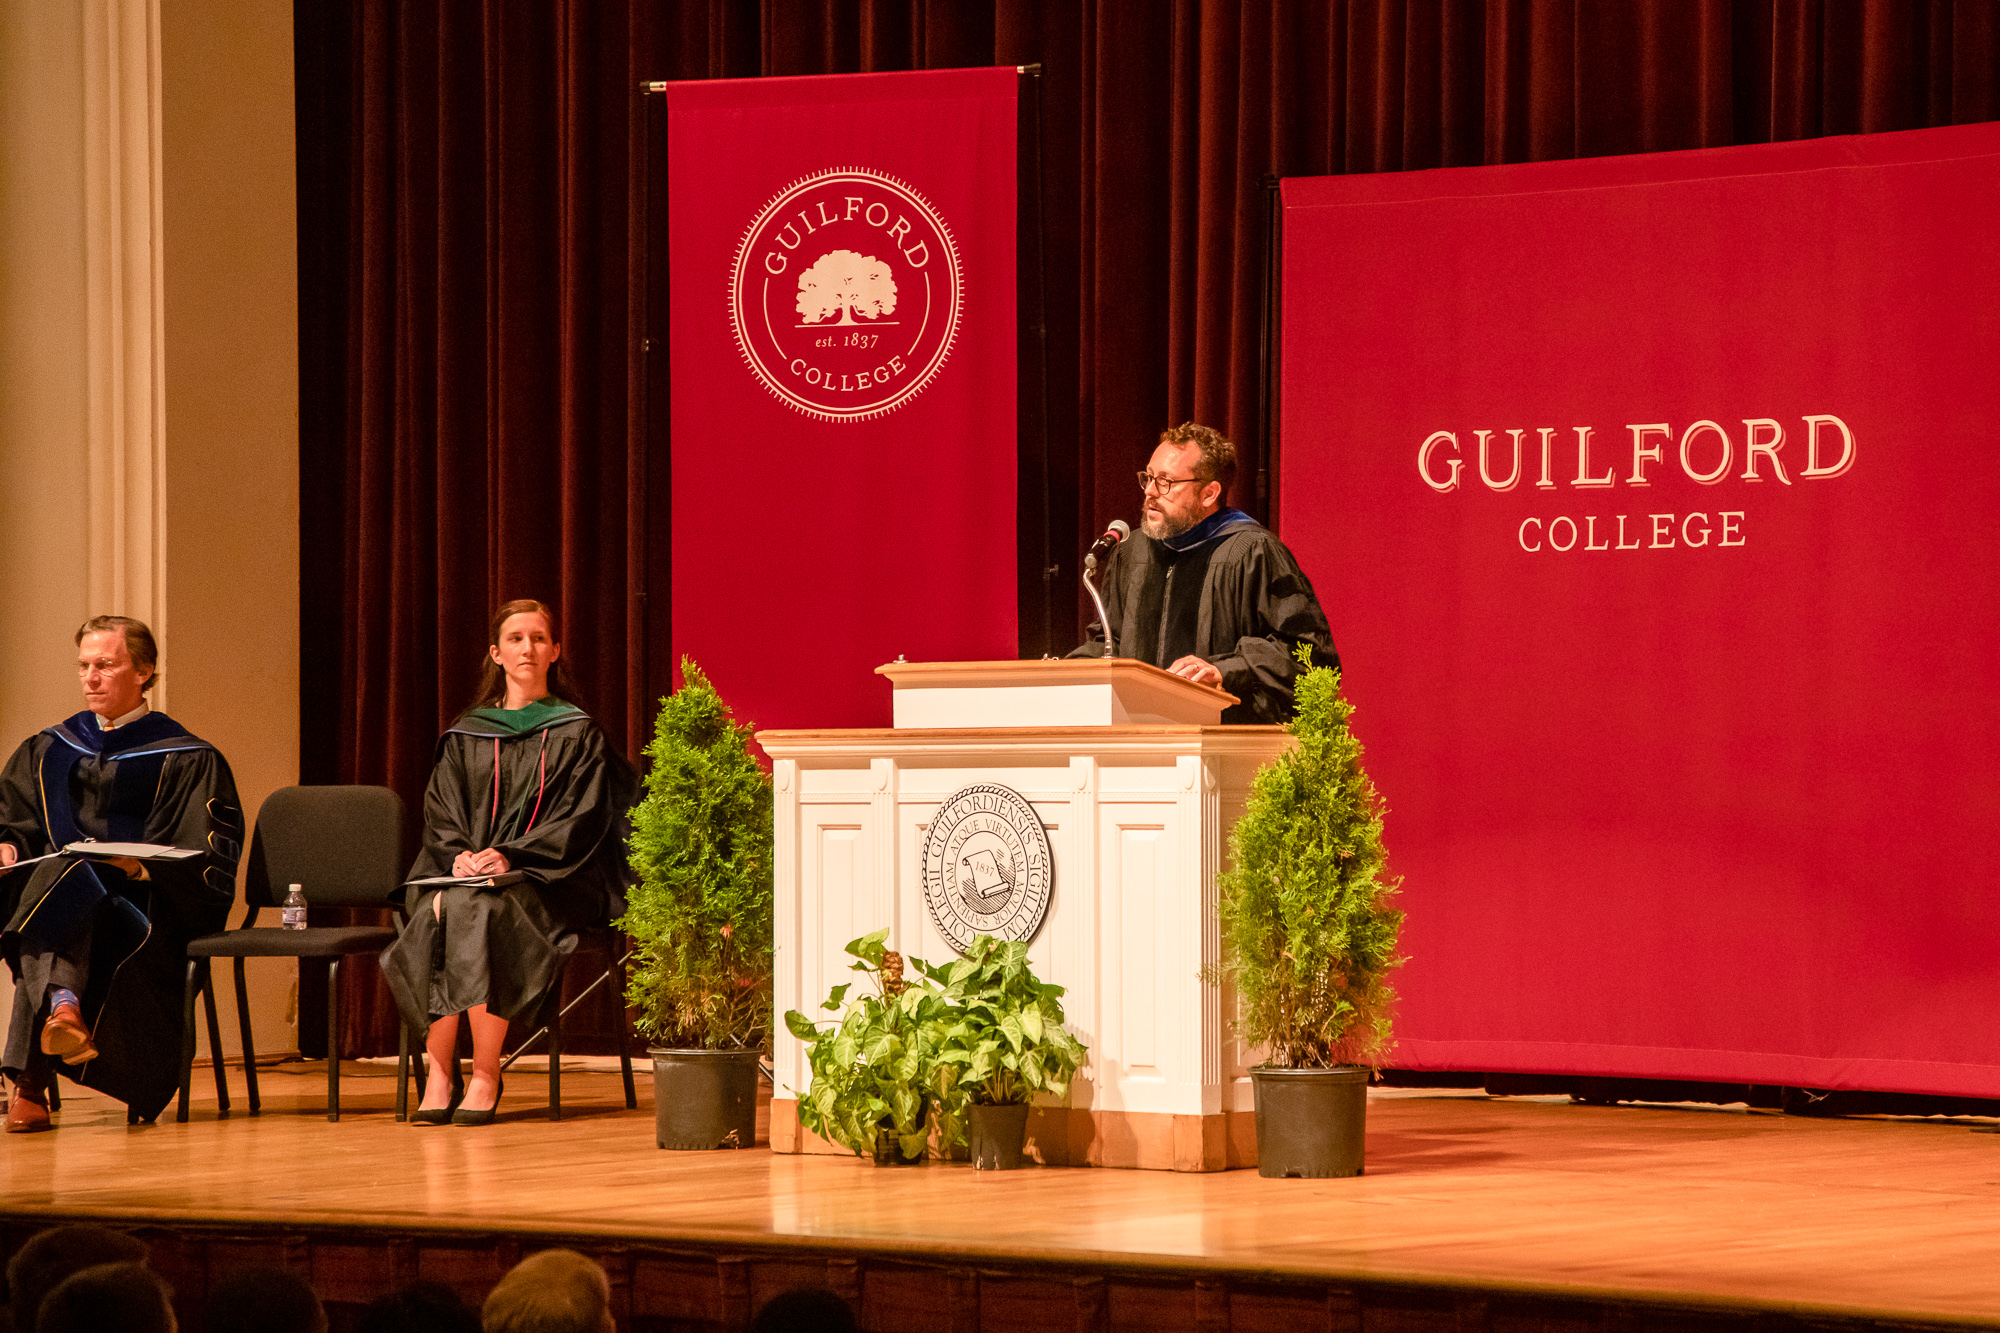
(28, 1112)
(66, 1037)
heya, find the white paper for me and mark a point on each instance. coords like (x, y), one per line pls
(138, 851)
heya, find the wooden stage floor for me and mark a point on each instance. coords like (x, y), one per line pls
(1691, 1208)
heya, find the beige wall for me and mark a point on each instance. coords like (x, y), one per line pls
(232, 406)
(42, 331)
(223, 380)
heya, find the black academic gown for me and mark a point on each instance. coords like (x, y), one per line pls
(147, 781)
(1232, 596)
(554, 799)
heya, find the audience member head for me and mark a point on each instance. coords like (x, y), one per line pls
(127, 1297)
(264, 1300)
(556, 1291)
(39, 1266)
(805, 1310)
(421, 1307)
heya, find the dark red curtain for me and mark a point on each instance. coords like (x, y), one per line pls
(474, 293)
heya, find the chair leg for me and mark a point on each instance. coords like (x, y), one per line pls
(402, 1071)
(249, 1045)
(625, 1038)
(333, 1038)
(214, 1038)
(555, 1051)
(419, 1049)
(194, 966)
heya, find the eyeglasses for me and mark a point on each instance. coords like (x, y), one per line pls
(1148, 483)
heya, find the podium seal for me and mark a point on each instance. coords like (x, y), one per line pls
(987, 869)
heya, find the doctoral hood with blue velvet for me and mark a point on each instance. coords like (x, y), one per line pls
(148, 781)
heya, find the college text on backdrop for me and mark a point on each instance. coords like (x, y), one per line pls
(1649, 498)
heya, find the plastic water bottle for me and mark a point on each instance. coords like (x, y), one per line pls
(295, 908)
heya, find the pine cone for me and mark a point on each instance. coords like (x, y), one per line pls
(892, 974)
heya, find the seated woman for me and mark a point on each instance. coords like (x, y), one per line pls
(526, 789)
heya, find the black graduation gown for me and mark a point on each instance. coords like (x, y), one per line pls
(554, 799)
(1238, 601)
(147, 781)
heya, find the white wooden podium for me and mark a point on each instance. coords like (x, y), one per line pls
(1137, 785)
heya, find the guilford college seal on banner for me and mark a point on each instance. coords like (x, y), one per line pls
(986, 866)
(846, 294)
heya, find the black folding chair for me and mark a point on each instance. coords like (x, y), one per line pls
(344, 847)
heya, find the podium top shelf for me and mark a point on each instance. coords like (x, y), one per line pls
(1060, 692)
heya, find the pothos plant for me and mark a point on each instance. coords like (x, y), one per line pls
(876, 1066)
(700, 915)
(1003, 1039)
(1308, 933)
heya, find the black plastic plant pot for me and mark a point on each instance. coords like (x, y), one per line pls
(998, 1134)
(1311, 1123)
(705, 1099)
(889, 1149)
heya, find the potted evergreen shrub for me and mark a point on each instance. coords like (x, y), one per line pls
(875, 1072)
(1003, 1042)
(700, 918)
(1308, 937)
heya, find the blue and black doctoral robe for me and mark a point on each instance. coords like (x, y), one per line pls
(148, 781)
(1226, 591)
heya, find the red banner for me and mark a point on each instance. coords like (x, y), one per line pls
(843, 336)
(1651, 502)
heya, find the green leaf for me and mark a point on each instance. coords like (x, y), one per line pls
(1010, 1027)
(800, 1026)
(870, 947)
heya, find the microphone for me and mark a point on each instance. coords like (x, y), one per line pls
(1117, 531)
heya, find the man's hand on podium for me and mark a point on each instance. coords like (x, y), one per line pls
(1200, 672)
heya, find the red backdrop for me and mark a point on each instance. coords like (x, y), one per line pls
(474, 231)
(832, 506)
(1697, 797)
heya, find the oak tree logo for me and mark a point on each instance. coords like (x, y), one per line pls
(846, 284)
(846, 294)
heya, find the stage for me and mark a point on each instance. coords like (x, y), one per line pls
(1475, 1214)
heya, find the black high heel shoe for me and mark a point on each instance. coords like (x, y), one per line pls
(461, 1117)
(443, 1116)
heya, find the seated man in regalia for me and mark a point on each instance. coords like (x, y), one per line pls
(98, 945)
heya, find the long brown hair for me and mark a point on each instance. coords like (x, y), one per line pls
(492, 690)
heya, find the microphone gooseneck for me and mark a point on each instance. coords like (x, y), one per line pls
(1114, 532)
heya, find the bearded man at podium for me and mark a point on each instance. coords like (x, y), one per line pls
(1206, 591)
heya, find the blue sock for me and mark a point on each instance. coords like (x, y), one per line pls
(60, 996)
